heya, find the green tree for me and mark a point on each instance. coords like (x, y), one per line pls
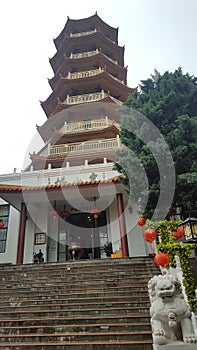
(169, 102)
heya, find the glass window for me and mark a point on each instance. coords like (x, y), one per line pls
(4, 216)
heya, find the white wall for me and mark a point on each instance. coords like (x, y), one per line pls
(137, 245)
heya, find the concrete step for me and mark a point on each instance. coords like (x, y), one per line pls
(86, 311)
(68, 305)
(94, 345)
(75, 336)
(91, 327)
(77, 320)
(79, 305)
(73, 285)
(66, 299)
(59, 280)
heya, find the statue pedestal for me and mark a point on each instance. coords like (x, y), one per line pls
(176, 346)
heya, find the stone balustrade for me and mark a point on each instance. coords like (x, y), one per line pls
(85, 74)
(84, 54)
(84, 98)
(84, 125)
(76, 35)
(85, 147)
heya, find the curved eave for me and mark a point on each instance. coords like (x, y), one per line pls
(73, 113)
(85, 24)
(62, 106)
(85, 86)
(82, 44)
(16, 189)
(80, 64)
(107, 132)
(40, 162)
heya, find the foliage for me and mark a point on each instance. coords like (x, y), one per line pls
(169, 101)
(167, 244)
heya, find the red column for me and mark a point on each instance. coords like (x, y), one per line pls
(21, 235)
(123, 232)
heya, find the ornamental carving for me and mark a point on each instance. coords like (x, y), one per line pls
(170, 313)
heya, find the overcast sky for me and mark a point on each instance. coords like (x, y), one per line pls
(157, 34)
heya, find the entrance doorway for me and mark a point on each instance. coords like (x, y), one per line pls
(82, 237)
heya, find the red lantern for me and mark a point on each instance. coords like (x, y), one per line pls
(173, 212)
(175, 235)
(141, 221)
(1, 224)
(162, 259)
(150, 234)
(55, 213)
(180, 231)
(64, 214)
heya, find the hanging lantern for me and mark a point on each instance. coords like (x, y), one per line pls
(173, 212)
(54, 213)
(95, 212)
(149, 235)
(175, 235)
(180, 231)
(1, 224)
(141, 221)
(64, 214)
(162, 259)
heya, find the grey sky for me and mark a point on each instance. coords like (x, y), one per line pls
(157, 34)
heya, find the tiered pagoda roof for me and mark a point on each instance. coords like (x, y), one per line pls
(86, 24)
(88, 87)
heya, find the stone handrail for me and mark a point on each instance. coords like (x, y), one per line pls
(84, 74)
(84, 54)
(84, 125)
(85, 147)
(76, 35)
(84, 98)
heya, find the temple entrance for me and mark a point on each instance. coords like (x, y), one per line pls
(82, 237)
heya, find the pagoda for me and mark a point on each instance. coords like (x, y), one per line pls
(69, 198)
(88, 87)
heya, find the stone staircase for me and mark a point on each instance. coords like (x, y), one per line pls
(78, 305)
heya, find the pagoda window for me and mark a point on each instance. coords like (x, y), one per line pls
(4, 216)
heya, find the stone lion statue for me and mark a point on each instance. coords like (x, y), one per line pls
(170, 313)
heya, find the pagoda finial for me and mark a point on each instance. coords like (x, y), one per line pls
(96, 13)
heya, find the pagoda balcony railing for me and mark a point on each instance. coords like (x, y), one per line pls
(84, 54)
(85, 74)
(89, 54)
(76, 35)
(87, 125)
(85, 147)
(84, 98)
(93, 97)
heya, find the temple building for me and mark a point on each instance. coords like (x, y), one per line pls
(68, 201)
